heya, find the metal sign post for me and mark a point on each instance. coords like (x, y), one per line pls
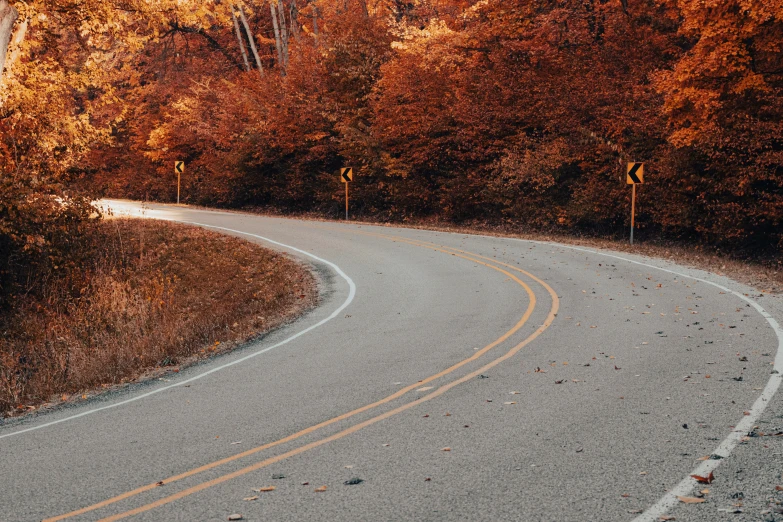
(179, 168)
(635, 176)
(346, 176)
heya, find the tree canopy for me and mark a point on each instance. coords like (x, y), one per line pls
(521, 112)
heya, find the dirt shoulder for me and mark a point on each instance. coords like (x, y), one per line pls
(153, 296)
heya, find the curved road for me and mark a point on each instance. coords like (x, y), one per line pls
(458, 377)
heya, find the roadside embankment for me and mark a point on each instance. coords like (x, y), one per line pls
(153, 294)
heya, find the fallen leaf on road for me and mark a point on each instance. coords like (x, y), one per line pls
(616, 368)
(305, 483)
(159, 483)
(625, 495)
(704, 480)
(691, 500)
(666, 517)
(236, 517)
(278, 476)
(705, 491)
(446, 449)
(509, 403)
(264, 489)
(250, 499)
(353, 481)
(539, 370)
(778, 488)
(642, 473)
(559, 382)
(321, 489)
(428, 479)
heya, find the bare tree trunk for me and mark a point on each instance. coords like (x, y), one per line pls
(283, 31)
(293, 15)
(252, 40)
(276, 27)
(239, 39)
(15, 45)
(8, 16)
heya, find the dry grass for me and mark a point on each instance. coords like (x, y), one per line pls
(154, 294)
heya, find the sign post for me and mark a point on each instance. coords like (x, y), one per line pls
(179, 168)
(635, 176)
(346, 176)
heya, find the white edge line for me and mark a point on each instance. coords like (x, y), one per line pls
(724, 449)
(351, 295)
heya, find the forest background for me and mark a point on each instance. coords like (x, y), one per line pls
(520, 113)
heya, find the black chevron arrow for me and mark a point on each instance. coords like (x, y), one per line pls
(633, 171)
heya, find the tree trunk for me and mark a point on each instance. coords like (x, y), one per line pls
(276, 27)
(8, 16)
(252, 40)
(293, 15)
(239, 39)
(283, 32)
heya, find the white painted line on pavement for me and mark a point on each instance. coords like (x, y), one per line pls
(349, 299)
(688, 484)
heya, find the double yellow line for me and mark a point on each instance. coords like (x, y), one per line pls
(476, 258)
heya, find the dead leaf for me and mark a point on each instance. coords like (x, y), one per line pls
(321, 489)
(704, 480)
(666, 517)
(236, 517)
(691, 500)
(778, 488)
(446, 449)
(265, 488)
(705, 491)
(250, 499)
(625, 495)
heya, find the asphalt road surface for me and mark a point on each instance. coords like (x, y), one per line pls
(449, 377)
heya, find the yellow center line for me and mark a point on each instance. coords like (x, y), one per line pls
(353, 429)
(306, 431)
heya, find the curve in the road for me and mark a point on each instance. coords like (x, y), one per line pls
(465, 255)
